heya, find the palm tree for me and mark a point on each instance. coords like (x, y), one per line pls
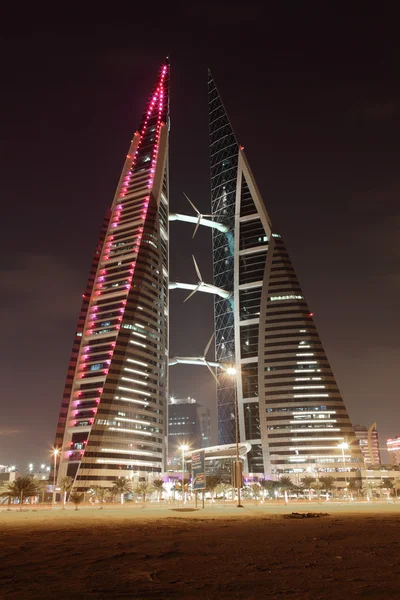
(223, 488)
(65, 484)
(144, 488)
(285, 484)
(354, 486)
(396, 485)
(175, 488)
(269, 486)
(317, 485)
(367, 489)
(21, 488)
(42, 488)
(99, 493)
(5, 493)
(211, 483)
(328, 483)
(306, 484)
(255, 490)
(158, 485)
(122, 486)
(76, 498)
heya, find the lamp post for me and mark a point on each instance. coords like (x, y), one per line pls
(344, 446)
(232, 371)
(55, 454)
(184, 447)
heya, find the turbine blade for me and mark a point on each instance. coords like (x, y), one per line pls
(189, 200)
(208, 345)
(197, 226)
(191, 293)
(211, 371)
(197, 269)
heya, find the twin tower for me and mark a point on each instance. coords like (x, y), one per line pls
(113, 418)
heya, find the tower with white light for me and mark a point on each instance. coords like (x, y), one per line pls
(289, 405)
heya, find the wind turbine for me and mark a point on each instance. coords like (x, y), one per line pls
(206, 349)
(199, 215)
(200, 283)
(197, 360)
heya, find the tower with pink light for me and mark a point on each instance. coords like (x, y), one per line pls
(113, 413)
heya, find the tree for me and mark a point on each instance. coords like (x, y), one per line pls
(42, 488)
(21, 488)
(76, 498)
(285, 484)
(99, 493)
(317, 485)
(144, 488)
(65, 484)
(211, 483)
(307, 482)
(328, 483)
(354, 486)
(122, 486)
(396, 485)
(269, 486)
(367, 489)
(158, 486)
(223, 488)
(255, 490)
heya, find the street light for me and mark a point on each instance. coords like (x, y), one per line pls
(56, 452)
(238, 474)
(344, 446)
(183, 447)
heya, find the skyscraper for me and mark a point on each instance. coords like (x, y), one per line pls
(393, 448)
(290, 407)
(112, 419)
(369, 443)
(189, 423)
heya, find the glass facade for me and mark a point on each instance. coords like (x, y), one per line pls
(224, 161)
(290, 408)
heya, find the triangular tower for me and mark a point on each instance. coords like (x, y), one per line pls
(113, 415)
(290, 408)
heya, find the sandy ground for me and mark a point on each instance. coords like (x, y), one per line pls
(215, 553)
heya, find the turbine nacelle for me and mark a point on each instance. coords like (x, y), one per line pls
(197, 360)
(200, 216)
(206, 287)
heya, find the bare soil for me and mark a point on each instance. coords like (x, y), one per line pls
(98, 554)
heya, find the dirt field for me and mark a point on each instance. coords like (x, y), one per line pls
(211, 554)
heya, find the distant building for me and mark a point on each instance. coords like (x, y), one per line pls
(189, 423)
(369, 443)
(393, 447)
(8, 474)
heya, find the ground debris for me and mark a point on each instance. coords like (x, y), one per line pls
(309, 515)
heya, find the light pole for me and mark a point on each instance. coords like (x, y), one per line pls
(55, 454)
(238, 474)
(184, 447)
(344, 446)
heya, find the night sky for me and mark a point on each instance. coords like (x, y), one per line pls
(315, 99)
